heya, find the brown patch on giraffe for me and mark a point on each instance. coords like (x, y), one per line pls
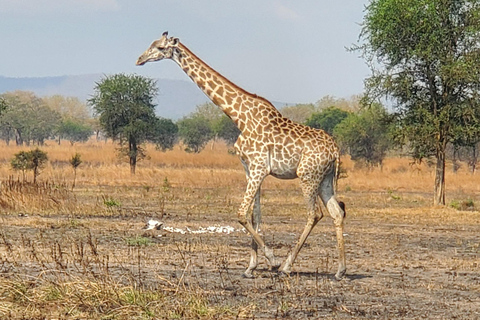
(217, 100)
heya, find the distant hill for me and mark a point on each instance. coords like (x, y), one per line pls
(176, 98)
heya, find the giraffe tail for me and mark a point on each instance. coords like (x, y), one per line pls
(335, 184)
(336, 173)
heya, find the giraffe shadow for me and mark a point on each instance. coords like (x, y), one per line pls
(267, 273)
(330, 276)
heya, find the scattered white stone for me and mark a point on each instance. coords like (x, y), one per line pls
(210, 229)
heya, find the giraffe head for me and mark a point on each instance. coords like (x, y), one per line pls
(162, 48)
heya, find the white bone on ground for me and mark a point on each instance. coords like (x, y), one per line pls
(154, 224)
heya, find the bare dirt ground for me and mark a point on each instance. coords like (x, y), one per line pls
(405, 260)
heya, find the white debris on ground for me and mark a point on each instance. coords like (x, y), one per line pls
(158, 225)
(153, 224)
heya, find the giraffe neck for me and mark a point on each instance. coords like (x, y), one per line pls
(238, 104)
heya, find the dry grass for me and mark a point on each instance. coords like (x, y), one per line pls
(82, 254)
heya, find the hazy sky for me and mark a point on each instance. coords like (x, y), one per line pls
(290, 51)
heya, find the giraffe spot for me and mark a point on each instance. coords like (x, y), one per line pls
(229, 99)
(218, 101)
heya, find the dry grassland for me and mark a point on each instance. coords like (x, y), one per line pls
(82, 253)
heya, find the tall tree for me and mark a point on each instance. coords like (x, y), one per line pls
(195, 132)
(126, 109)
(365, 134)
(424, 56)
(28, 118)
(327, 119)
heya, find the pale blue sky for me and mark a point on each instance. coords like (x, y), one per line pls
(291, 51)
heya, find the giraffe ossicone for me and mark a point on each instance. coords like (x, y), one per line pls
(269, 144)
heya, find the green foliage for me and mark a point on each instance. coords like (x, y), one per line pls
(3, 105)
(110, 202)
(226, 129)
(327, 119)
(126, 109)
(424, 55)
(33, 160)
(74, 131)
(221, 126)
(138, 241)
(463, 205)
(164, 134)
(365, 134)
(27, 119)
(195, 132)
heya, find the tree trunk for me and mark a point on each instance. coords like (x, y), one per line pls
(132, 146)
(455, 165)
(18, 137)
(439, 189)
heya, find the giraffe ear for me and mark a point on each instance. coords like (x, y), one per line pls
(174, 41)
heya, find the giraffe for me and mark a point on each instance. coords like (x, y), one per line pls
(269, 144)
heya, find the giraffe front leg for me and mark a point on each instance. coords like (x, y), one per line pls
(256, 224)
(251, 224)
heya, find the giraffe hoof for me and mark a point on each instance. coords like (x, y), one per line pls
(283, 274)
(340, 274)
(275, 267)
(248, 275)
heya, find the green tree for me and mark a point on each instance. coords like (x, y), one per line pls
(327, 119)
(220, 125)
(27, 118)
(194, 132)
(74, 131)
(165, 134)
(3, 105)
(424, 56)
(365, 134)
(33, 160)
(126, 109)
(226, 129)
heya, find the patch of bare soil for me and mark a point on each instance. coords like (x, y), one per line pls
(405, 260)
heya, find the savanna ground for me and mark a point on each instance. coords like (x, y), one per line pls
(82, 253)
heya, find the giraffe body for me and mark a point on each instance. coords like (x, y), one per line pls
(269, 144)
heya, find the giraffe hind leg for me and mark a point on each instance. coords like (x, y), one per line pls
(337, 212)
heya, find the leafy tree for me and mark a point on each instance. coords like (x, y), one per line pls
(68, 107)
(365, 134)
(226, 129)
(27, 118)
(3, 105)
(352, 104)
(220, 125)
(424, 56)
(165, 134)
(327, 119)
(126, 109)
(195, 132)
(29, 160)
(74, 131)
(299, 112)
